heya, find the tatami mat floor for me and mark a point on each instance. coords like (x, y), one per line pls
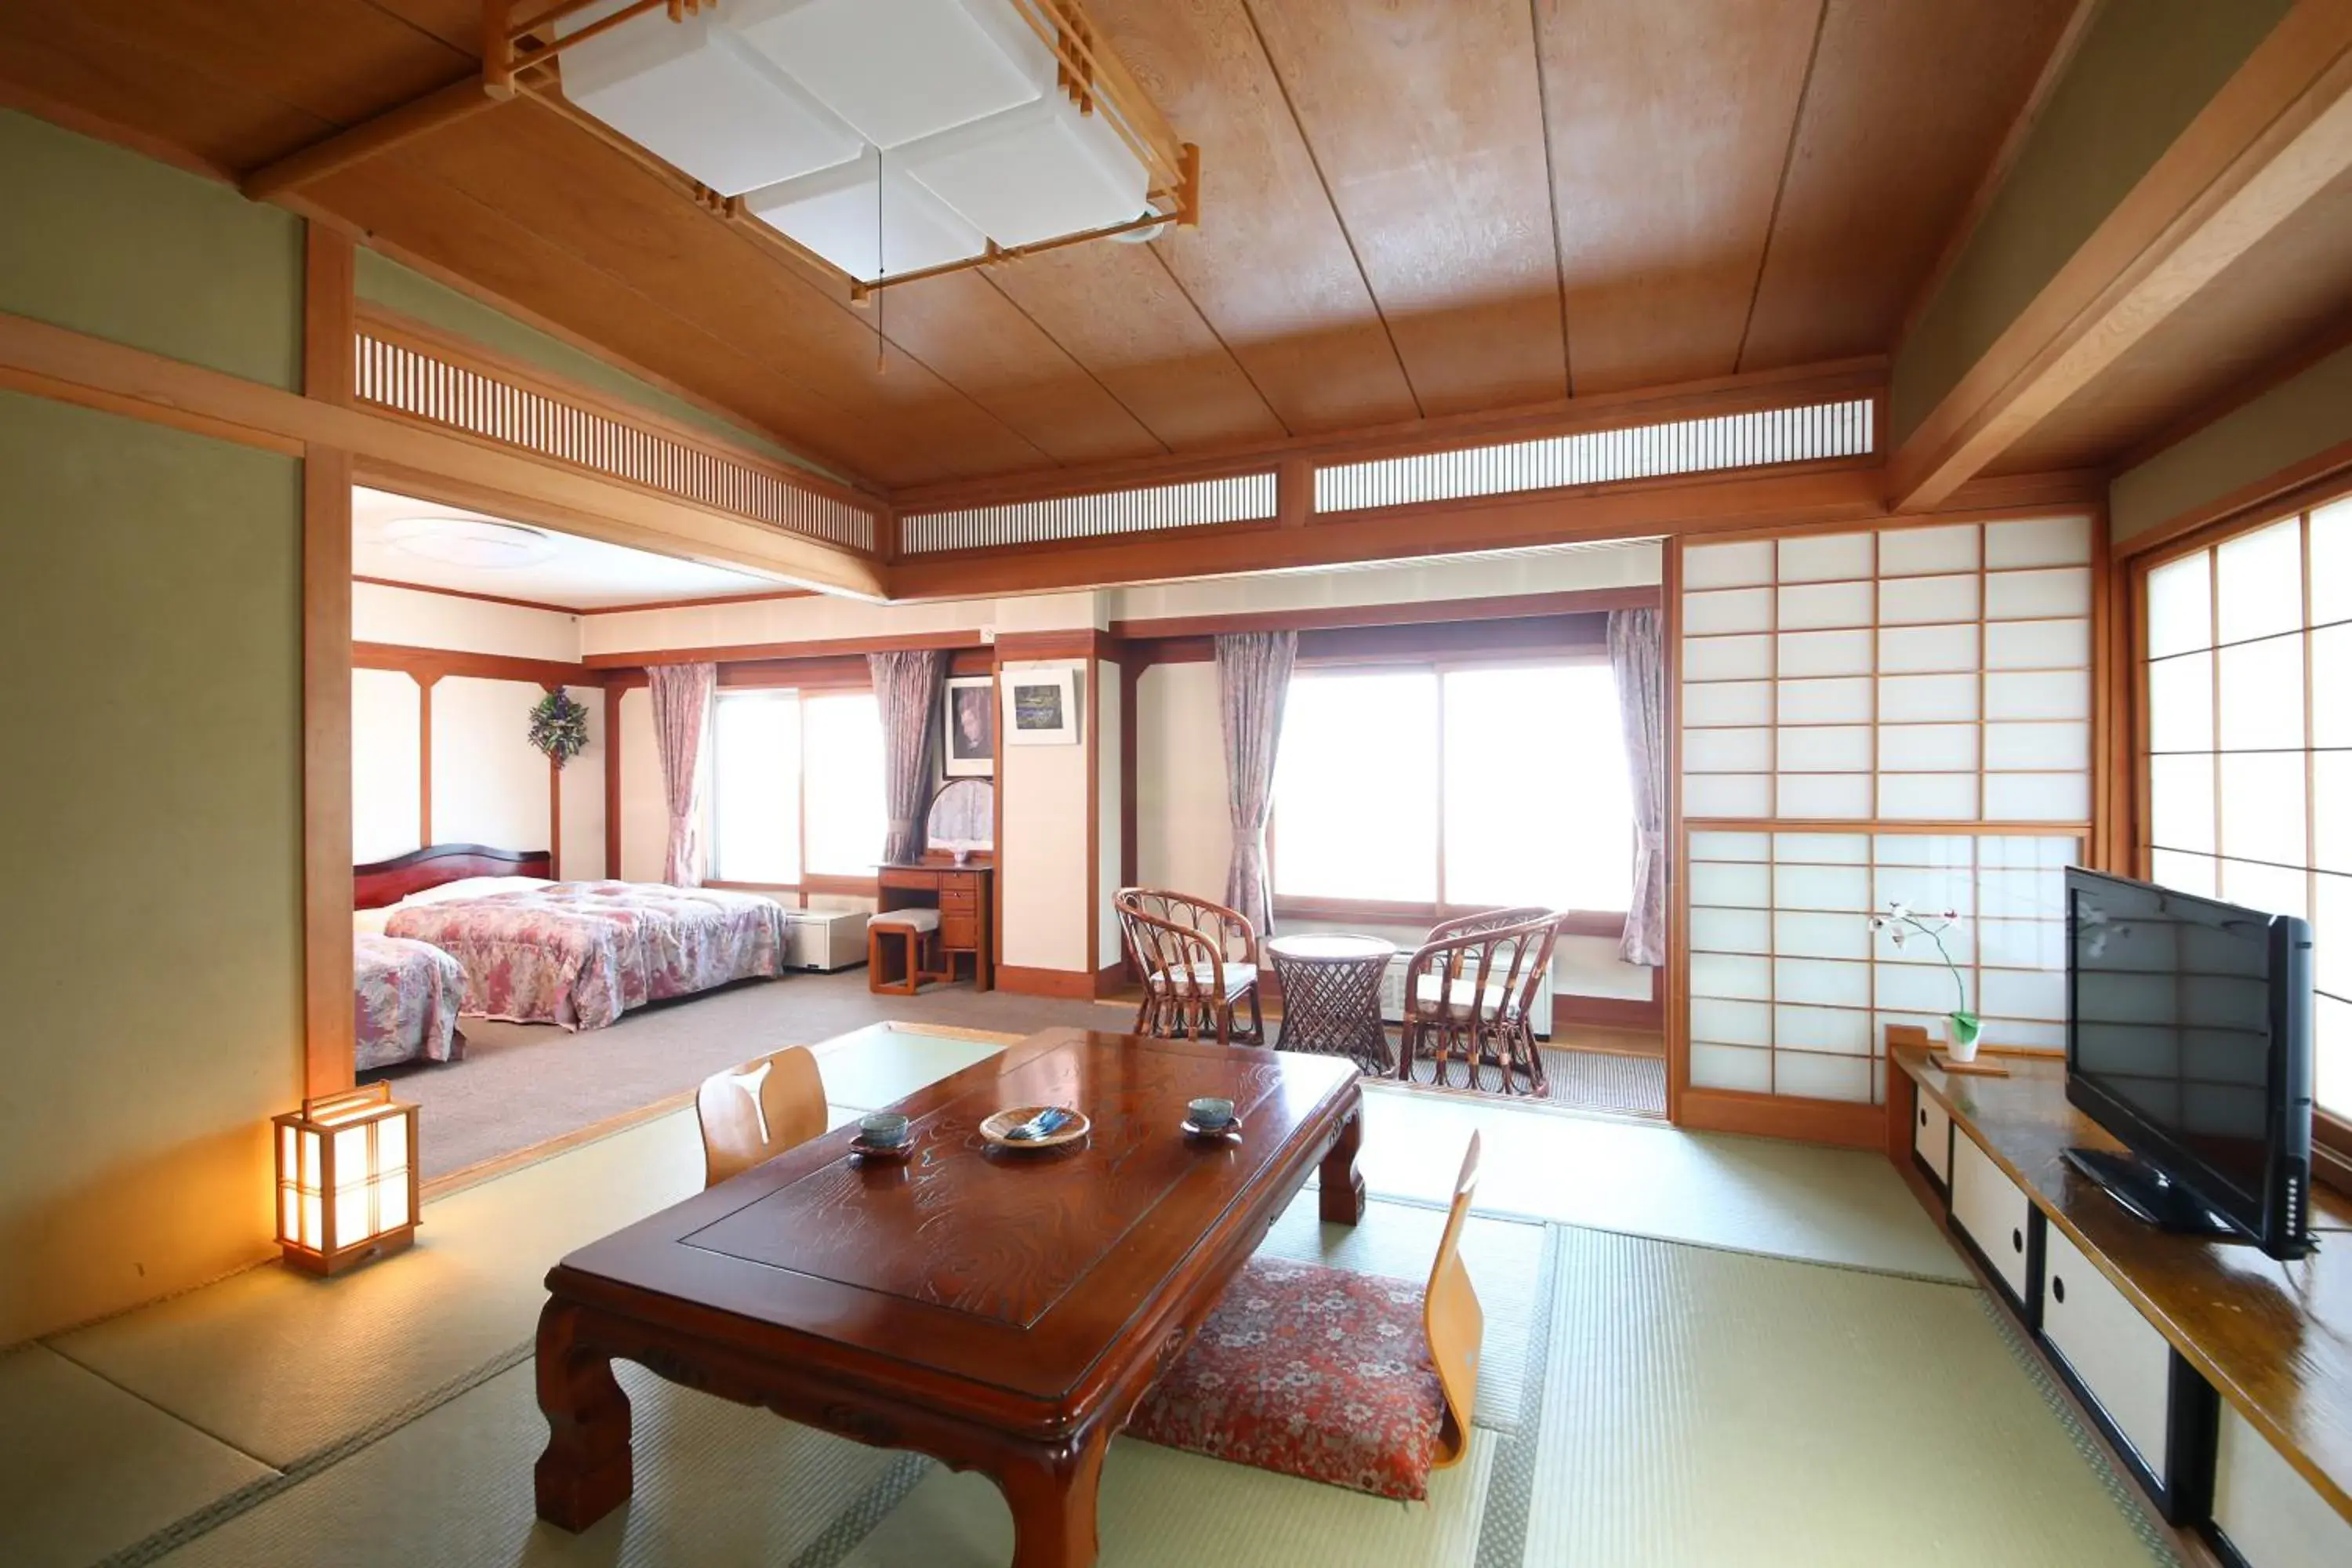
(1640, 1393)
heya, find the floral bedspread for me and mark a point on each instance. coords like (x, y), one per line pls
(406, 1004)
(582, 953)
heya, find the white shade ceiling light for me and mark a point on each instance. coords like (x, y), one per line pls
(470, 541)
(886, 136)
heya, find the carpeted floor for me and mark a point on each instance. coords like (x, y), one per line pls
(522, 1084)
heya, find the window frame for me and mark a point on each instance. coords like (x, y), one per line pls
(2331, 1130)
(1391, 911)
(819, 883)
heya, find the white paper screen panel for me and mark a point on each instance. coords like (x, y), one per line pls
(1790, 989)
(2249, 743)
(1756, 440)
(1197, 503)
(1933, 675)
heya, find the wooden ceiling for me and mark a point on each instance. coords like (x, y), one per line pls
(1413, 208)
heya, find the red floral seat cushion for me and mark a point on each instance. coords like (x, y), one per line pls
(1311, 1371)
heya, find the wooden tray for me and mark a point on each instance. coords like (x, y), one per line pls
(1980, 1067)
(996, 1126)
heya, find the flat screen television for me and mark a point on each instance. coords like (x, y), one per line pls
(2189, 1036)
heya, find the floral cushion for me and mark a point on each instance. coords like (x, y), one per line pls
(1311, 1371)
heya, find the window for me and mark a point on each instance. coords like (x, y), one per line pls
(2249, 741)
(1455, 787)
(796, 786)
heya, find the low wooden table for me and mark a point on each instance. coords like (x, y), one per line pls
(1331, 996)
(1002, 1311)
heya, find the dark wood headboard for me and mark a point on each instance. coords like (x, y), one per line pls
(389, 882)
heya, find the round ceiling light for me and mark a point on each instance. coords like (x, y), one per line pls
(469, 542)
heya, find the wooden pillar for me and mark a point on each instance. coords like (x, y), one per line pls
(327, 978)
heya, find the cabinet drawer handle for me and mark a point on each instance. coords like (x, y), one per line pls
(2058, 1288)
(2017, 1240)
(1923, 1116)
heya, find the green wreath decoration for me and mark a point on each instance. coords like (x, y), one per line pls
(559, 726)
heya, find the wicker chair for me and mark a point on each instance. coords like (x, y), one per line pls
(1198, 964)
(1469, 995)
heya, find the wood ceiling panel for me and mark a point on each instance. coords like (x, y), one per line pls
(1269, 266)
(1670, 124)
(1426, 120)
(1909, 102)
(456, 23)
(48, 49)
(1119, 312)
(589, 200)
(2289, 295)
(979, 341)
(455, 232)
(339, 60)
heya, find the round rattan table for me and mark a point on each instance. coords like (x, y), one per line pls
(1331, 996)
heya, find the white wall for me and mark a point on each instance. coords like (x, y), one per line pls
(581, 852)
(1108, 681)
(489, 783)
(1043, 836)
(645, 817)
(385, 729)
(414, 618)
(1183, 832)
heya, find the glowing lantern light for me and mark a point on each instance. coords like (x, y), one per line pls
(346, 1179)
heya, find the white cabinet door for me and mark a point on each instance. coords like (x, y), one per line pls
(2271, 1514)
(2117, 1355)
(1931, 1135)
(1994, 1213)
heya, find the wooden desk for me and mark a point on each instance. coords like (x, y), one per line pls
(1002, 1312)
(2274, 1340)
(965, 896)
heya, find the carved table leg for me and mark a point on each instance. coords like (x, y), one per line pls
(1052, 1500)
(1343, 1186)
(585, 1471)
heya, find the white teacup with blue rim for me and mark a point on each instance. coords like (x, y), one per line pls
(1210, 1113)
(882, 1130)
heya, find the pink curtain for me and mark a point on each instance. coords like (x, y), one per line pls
(681, 694)
(1637, 658)
(907, 687)
(1253, 681)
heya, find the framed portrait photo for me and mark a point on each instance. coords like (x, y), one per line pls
(970, 726)
(1040, 707)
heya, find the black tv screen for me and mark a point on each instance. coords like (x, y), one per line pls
(2188, 1038)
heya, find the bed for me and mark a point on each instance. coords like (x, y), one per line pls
(405, 1003)
(577, 954)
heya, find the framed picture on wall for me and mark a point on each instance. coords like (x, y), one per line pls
(970, 726)
(1040, 707)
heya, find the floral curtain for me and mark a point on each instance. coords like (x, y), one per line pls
(1637, 658)
(907, 688)
(1253, 681)
(682, 698)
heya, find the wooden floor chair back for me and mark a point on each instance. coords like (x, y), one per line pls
(1455, 1322)
(752, 1113)
(1198, 963)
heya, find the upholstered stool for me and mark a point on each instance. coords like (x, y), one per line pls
(919, 932)
(1349, 1379)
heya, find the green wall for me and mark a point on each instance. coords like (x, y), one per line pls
(106, 242)
(150, 927)
(2146, 68)
(2292, 421)
(397, 287)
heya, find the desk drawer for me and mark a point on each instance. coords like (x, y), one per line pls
(2120, 1359)
(1996, 1216)
(959, 900)
(959, 931)
(1931, 1136)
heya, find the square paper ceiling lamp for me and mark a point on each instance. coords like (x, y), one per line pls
(692, 93)
(832, 212)
(900, 69)
(1038, 172)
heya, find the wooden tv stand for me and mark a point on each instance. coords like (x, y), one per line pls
(2222, 1378)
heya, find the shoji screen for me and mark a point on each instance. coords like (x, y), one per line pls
(1904, 713)
(2248, 694)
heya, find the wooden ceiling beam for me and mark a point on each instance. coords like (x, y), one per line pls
(2269, 142)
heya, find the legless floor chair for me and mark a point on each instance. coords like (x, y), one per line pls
(750, 1114)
